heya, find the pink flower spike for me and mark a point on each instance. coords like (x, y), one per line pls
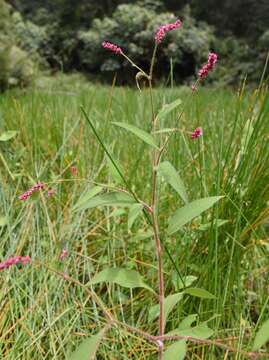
(112, 47)
(161, 32)
(30, 192)
(212, 59)
(14, 261)
(10, 262)
(64, 254)
(197, 133)
(23, 197)
(17, 259)
(25, 260)
(211, 62)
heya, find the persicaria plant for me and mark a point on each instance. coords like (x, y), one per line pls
(169, 346)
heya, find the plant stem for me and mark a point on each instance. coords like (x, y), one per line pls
(154, 217)
(134, 65)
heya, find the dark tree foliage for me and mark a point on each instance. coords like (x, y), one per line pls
(244, 18)
(68, 30)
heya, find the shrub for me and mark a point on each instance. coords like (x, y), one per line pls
(19, 42)
(21, 67)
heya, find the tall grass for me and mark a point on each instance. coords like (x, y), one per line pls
(44, 316)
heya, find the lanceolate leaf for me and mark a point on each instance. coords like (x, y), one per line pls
(171, 176)
(123, 277)
(141, 134)
(187, 213)
(201, 331)
(8, 135)
(188, 280)
(166, 109)
(134, 212)
(88, 348)
(201, 293)
(108, 199)
(87, 196)
(143, 235)
(176, 351)
(262, 336)
(187, 322)
(216, 223)
(169, 303)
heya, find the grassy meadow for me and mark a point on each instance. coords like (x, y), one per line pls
(44, 313)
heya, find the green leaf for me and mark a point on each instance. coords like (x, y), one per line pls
(201, 331)
(117, 213)
(8, 135)
(166, 109)
(216, 223)
(3, 221)
(88, 348)
(201, 293)
(176, 351)
(123, 277)
(108, 199)
(169, 303)
(187, 322)
(187, 213)
(87, 196)
(135, 211)
(143, 235)
(262, 336)
(177, 282)
(171, 176)
(141, 134)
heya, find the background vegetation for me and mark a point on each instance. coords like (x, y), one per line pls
(43, 315)
(66, 35)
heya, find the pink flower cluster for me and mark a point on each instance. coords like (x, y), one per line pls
(197, 133)
(160, 34)
(212, 59)
(112, 47)
(30, 192)
(14, 261)
(63, 254)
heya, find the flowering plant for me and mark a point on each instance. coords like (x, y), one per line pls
(127, 197)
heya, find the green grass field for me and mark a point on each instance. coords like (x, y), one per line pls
(45, 315)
